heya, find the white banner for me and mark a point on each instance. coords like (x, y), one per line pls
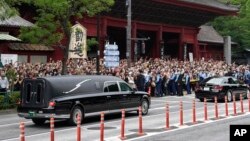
(191, 58)
(9, 58)
(78, 42)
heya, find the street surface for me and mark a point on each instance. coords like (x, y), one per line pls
(153, 124)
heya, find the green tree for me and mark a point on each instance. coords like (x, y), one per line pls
(238, 27)
(54, 15)
(92, 42)
(5, 10)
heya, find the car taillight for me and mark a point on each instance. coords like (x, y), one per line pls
(197, 88)
(52, 103)
(217, 88)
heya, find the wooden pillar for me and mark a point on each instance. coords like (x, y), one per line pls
(103, 35)
(196, 46)
(134, 35)
(181, 45)
(158, 42)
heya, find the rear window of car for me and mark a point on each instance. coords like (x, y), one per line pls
(216, 81)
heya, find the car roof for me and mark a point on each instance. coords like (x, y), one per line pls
(93, 77)
(58, 85)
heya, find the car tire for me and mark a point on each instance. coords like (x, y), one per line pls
(38, 121)
(201, 99)
(77, 110)
(229, 96)
(144, 107)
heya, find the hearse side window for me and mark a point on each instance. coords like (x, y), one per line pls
(111, 87)
(28, 92)
(106, 89)
(124, 87)
(38, 96)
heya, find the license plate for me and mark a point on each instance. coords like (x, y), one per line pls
(206, 89)
(32, 113)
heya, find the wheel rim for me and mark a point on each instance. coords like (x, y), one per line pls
(229, 96)
(144, 107)
(76, 113)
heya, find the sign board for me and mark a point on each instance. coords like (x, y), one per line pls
(191, 58)
(111, 56)
(78, 42)
(9, 58)
(111, 52)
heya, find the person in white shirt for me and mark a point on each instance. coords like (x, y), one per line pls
(4, 83)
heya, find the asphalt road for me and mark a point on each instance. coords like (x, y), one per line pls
(153, 124)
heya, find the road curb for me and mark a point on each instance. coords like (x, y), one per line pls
(7, 111)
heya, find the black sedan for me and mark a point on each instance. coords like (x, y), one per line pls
(220, 87)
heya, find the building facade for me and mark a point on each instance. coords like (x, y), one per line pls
(169, 27)
(10, 44)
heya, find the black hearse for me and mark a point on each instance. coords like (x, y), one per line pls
(67, 96)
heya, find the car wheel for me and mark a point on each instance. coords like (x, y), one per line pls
(38, 121)
(144, 107)
(201, 99)
(229, 96)
(77, 110)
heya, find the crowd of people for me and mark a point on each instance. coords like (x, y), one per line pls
(160, 76)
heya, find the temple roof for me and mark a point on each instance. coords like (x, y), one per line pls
(7, 37)
(192, 13)
(16, 21)
(209, 34)
(214, 4)
(29, 47)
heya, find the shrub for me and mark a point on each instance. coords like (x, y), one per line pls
(12, 100)
(1, 99)
(14, 97)
(2, 104)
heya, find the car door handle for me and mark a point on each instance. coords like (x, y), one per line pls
(124, 95)
(109, 96)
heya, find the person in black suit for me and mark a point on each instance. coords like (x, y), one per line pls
(187, 82)
(140, 81)
(180, 85)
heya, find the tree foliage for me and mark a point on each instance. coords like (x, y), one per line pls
(56, 15)
(238, 27)
(5, 10)
(92, 42)
(44, 32)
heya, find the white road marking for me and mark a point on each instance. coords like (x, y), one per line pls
(148, 116)
(177, 125)
(183, 127)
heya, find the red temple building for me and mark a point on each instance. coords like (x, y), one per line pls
(211, 43)
(171, 27)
